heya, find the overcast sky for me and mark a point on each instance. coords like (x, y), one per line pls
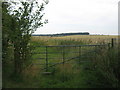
(93, 16)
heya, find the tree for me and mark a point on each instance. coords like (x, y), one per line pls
(6, 24)
(26, 18)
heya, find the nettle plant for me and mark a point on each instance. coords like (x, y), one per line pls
(26, 17)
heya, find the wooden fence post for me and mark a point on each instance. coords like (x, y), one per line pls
(46, 59)
(112, 42)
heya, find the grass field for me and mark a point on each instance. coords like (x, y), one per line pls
(100, 72)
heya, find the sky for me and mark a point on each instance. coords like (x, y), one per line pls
(93, 16)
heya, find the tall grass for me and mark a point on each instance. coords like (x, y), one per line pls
(107, 64)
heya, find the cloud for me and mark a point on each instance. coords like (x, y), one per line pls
(95, 16)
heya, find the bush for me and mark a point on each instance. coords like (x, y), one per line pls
(107, 64)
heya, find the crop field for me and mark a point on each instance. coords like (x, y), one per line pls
(73, 40)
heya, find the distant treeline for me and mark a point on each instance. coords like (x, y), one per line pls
(61, 34)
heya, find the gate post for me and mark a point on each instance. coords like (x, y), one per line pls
(112, 42)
